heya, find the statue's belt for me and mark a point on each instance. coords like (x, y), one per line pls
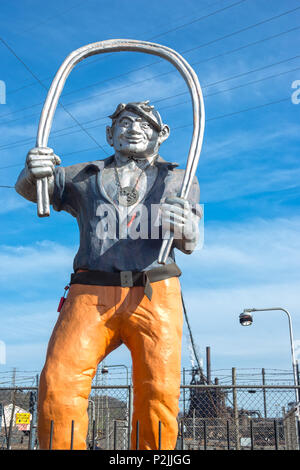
(127, 278)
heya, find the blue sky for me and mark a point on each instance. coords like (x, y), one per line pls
(248, 170)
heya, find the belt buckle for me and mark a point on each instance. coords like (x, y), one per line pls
(126, 279)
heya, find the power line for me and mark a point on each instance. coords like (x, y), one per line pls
(199, 19)
(218, 82)
(16, 143)
(244, 29)
(65, 155)
(186, 92)
(235, 87)
(185, 51)
(41, 83)
(193, 63)
(191, 15)
(192, 341)
(234, 113)
(161, 34)
(9, 166)
(254, 81)
(222, 116)
(51, 18)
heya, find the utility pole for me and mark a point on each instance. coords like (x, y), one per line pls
(107, 423)
(194, 430)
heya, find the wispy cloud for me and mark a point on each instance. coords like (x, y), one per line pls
(44, 258)
(214, 318)
(254, 264)
(241, 265)
(104, 98)
(254, 252)
(10, 201)
(232, 144)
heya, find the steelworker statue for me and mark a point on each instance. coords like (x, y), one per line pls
(124, 206)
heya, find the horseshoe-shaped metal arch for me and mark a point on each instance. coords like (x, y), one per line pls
(117, 45)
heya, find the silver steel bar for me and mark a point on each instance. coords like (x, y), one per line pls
(118, 45)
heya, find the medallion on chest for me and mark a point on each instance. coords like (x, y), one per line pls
(128, 184)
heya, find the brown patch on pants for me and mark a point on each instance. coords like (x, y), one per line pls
(94, 321)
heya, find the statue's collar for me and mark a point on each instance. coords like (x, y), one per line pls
(99, 165)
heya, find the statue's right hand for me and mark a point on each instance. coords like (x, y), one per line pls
(40, 163)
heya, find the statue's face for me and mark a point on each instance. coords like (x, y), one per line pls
(132, 135)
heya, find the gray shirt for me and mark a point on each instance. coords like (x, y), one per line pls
(109, 241)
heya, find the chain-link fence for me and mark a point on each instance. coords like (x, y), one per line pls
(109, 417)
(238, 417)
(218, 417)
(109, 411)
(17, 407)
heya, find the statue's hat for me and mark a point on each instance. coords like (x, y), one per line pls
(143, 109)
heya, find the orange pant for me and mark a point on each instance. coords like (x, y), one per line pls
(93, 322)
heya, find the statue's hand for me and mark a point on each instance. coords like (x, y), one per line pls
(40, 163)
(178, 218)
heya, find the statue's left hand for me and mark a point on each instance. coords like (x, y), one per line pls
(178, 218)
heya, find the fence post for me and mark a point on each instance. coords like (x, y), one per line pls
(93, 434)
(251, 434)
(264, 391)
(204, 435)
(235, 410)
(107, 428)
(194, 427)
(159, 435)
(72, 435)
(275, 434)
(184, 392)
(182, 435)
(115, 434)
(137, 443)
(130, 407)
(228, 435)
(1, 414)
(33, 411)
(14, 393)
(5, 427)
(298, 398)
(51, 435)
